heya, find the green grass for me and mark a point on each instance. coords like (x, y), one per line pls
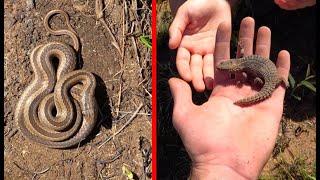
(308, 83)
(297, 169)
(164, 20)
(146, 41)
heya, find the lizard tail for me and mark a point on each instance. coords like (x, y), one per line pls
(264, 93)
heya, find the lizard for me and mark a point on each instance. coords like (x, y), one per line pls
(262, 69)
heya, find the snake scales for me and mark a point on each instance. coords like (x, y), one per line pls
(58, 108)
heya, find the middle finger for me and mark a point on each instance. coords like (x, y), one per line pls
(263, 43)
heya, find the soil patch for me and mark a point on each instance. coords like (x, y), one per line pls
(122, 85)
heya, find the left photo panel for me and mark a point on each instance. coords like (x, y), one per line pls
(77, 89)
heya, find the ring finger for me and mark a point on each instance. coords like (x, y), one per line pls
(196, 65)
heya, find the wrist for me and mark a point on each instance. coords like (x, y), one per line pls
(199, 172)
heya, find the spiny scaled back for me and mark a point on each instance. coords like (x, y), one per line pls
(262, 69)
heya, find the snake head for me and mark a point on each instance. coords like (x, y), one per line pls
(230, 65)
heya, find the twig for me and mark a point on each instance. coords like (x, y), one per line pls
(30, 172)
(120, 90)
(25, 170)
(114, 41)
(99, 15)
(136, 51)
(147, 91)
(121, 117)
(124, 25)
(12, 133)
(116, 156)
(122, 58)
(124, 126)
(146, 6)
(118, 72)
(142, 81)
(119, 95)
(43, 171)
(125, 112)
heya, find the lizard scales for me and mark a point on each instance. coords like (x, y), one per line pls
(262, 69)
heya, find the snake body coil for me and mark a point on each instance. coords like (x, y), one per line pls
(58, 108)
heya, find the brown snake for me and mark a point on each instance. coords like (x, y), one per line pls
(69, 91)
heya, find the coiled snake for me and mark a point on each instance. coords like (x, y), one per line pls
(58, 109)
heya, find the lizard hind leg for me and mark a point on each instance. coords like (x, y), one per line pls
(241, 78)
(244, 75)
(258, 81)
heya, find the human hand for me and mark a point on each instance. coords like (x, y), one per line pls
(294, 4)
(193, 32)
(221, 138)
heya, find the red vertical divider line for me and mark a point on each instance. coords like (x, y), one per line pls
(154, 90)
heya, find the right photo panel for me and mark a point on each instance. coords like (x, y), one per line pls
(236, 89)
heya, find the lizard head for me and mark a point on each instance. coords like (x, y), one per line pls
(230, 65)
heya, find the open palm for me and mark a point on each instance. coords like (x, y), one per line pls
(193, 32)
(220, 133)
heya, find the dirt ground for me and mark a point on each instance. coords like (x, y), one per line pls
(122, 84)
(294, 155)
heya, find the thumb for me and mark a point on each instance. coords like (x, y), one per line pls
(177, 27)
(182, 97)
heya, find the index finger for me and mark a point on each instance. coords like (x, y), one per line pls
(222, 49)
(177, 28)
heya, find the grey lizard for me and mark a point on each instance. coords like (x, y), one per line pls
(262, 69)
